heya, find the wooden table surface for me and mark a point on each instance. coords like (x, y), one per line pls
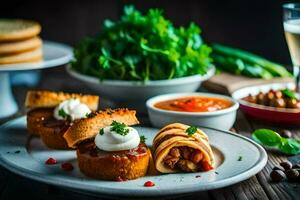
(257, 187)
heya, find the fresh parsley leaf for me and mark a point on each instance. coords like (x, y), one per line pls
(101, 132)
(63, 114)
(143, 139)
(137, 45)
(119, 128)
(289, 93)
(191, 130)
(271, 138)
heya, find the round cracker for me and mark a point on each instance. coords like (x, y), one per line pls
(20, 46)
(34, 55)
(18, 29)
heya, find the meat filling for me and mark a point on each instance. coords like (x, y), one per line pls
(184, 158)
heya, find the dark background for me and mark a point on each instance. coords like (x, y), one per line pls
(254, 25)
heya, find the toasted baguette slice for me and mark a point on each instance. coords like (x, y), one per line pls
(87, 128)
(49, 99)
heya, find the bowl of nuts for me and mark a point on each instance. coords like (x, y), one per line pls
(276, 103)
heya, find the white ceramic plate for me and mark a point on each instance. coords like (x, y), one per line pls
(227, 147)
(54, 54)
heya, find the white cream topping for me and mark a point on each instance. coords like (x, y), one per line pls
(73, 108)
(112, 141)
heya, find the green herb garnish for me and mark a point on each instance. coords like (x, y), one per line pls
(101, 132)
(289, 93)
(240, 158)
(273, 139)
(143, 47)
(119, 128)
(143, 139)
(63, 114)
(191, 130)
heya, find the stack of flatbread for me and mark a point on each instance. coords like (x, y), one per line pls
(19, 41)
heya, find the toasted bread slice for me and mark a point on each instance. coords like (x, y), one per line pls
(88, 127)
(50, 99)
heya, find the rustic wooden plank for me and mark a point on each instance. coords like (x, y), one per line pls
(282, 190)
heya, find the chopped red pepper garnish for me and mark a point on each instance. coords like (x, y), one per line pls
(67, 166)
(50, 161)
(149, 184)
(206, 166)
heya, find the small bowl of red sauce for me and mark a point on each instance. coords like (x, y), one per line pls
(198, 109)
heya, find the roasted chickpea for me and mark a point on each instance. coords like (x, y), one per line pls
(292, 103)
(252, 99)
(278, 94)
(278, 103)
(268, 98)
(261, 99)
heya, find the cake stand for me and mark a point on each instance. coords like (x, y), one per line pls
(54, 54)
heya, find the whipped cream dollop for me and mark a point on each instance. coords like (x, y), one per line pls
(71, 109)
(108, 140)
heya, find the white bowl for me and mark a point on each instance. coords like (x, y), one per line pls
(221, 119)
(137, 92)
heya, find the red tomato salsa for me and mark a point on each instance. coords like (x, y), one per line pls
(194, 104)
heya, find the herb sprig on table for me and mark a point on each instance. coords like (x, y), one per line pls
(273, 139)
(142, 47)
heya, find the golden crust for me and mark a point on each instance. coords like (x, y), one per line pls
(49, 99)
(174, 135)
(109, 168)
(88, 127)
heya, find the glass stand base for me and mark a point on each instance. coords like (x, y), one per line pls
(8, 105)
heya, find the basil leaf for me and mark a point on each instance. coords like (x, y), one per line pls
(289, 93)
(267, 137)
(290, 146)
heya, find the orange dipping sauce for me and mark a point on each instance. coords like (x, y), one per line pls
(194, 104)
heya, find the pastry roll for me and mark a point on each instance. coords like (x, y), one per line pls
(178, 147)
